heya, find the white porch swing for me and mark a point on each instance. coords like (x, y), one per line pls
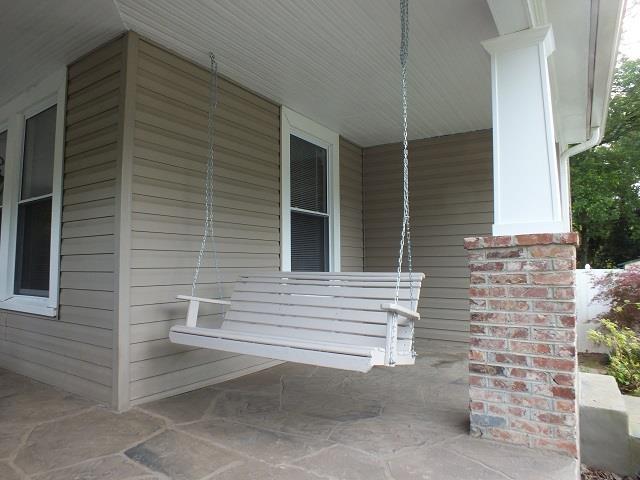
(329, 319)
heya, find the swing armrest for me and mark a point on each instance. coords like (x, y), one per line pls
(400, 310)
(204, 300)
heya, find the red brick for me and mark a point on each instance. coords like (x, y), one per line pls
(564, 293)
(529, 347)
(484, 369)
(552, 251)
(473, 242)
(565, 351)
(532, 375)
(553, 418)
(532, 319)
(486, 395)
(534, 239)
(486, 267)
(509, 436)
(528, 292)
(476, 406)
(517, 411)
(558, 364)
(528, 266)
(554, 306)
(566, 433)
(477, 381)
(567, 393)
(553, 334)
(509, 305)
(572, 238)
(489, 317)
(488, 344)
(511, 386)
(560, 264)
(568, 447)
(499, 241)
(477, 256)
(475, 355)
(564, 379)
(530, 401)
(477, 279)
(477, 304)
(506, 253)
(497, 409)
(507, 279)
(534, 428)
(565, 406)
(476, 329)
(565, 279)
(567, 320)
(487, 292)
(509, 358)
(508, 332)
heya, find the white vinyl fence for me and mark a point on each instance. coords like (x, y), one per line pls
(588, 309)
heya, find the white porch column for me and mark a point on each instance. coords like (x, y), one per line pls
(526, 178)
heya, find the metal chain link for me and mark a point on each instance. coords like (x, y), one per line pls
(208, 188)
(406, 224)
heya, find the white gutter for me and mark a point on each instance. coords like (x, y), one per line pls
(595, 139)
(563, 164)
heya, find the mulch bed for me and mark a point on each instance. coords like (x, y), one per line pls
(593, 474)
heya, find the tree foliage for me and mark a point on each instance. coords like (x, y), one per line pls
(605, 181)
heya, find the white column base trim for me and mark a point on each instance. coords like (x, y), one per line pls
(528, 228)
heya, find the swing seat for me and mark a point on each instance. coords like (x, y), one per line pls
(336, 320)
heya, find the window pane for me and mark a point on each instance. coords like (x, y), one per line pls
(308, 175)
(3, 154)
(33, 244)
(37, 162)
(309, 243)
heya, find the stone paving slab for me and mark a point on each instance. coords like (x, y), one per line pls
(80, 437)
(291, 422)
(178, 455)
(105, 468)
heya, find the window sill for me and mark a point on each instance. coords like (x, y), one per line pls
(26, 304)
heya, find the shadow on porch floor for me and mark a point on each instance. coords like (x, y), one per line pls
(289, 422)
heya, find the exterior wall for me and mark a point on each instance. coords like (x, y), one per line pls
(451, 198)
(168, 166)
(351, 207)
(74, 351)
(522, 363)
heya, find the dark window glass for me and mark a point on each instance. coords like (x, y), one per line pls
(37, 161)
(33, 239)
(309, 242)
(33, 243)
(3, 154)
(308, 175)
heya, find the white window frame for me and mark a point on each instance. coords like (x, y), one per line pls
(292, 123)
(13, 116)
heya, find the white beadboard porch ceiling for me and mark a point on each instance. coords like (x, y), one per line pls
(38, 37)
(336, 61)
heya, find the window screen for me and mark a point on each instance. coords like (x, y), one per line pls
(33, 239)
(309, 213)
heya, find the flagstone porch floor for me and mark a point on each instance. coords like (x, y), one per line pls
(290, 422)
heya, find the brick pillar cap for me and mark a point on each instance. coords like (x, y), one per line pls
(490, 241)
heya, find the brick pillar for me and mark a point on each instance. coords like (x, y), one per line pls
(522, 360)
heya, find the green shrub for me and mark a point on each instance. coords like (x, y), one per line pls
(624, 354)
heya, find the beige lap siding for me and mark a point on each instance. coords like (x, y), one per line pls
(351, 211)
(169, 162)
(74, 350)
(451, 198)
